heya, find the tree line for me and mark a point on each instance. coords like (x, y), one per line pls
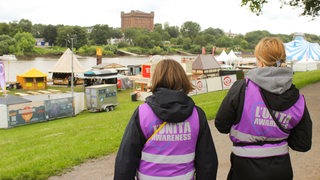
(18, 37)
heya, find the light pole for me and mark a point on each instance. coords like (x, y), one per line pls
(72, 77)
(67, 41)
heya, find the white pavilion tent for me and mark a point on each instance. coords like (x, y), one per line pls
(223, 57)
(232, 56)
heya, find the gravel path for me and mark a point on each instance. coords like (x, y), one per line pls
(305, 165)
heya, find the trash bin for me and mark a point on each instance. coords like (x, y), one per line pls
(133, 96)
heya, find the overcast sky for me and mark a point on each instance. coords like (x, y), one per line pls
(227, 15)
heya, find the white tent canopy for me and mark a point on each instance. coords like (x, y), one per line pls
(66, 62)
(223, 57)
(232, 56)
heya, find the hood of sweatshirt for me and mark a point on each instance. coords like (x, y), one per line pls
(276, 84)
(171, 105)
(272, 79)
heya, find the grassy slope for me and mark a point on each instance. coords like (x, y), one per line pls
(41, 150)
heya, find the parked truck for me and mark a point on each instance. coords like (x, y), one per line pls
(101, 97)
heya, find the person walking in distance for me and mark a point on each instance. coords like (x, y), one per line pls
(168, 136)
(264, 115)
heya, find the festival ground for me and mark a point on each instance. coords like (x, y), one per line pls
(305, 165)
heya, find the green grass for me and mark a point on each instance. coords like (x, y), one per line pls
(210, 102)
(301, 79)
(41, 150)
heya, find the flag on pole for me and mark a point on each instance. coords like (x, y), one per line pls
(2, 77)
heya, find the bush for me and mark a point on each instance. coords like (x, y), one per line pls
(156, 50)
(123, 44)
(108, 53)
(110, 49)
(195, 49)
(87, 50)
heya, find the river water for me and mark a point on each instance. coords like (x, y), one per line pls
(43, 64)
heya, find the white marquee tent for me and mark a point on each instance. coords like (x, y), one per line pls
(223, 57)
(232, 56)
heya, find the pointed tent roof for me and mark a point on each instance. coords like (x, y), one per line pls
(232, 56)
(205, 62)
(64, 64)
(33, 73)
(301, 50)
(223, 56)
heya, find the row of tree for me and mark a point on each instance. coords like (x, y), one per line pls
(18, 37)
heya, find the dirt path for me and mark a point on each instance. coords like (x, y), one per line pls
(305, 165)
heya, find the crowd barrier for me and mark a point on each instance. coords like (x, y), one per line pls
(203, 85)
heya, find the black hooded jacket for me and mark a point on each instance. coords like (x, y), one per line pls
(171, 106)
(279, 92)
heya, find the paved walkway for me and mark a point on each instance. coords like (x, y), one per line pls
(305, 165)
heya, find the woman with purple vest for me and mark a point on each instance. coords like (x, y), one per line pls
(168, 136)
(264, 115)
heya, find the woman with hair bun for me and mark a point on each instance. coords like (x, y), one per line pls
(264, 114)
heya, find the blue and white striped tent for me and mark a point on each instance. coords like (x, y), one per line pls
(301, 50)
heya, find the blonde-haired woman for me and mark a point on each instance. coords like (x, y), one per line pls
(264, 115)
(168, 136)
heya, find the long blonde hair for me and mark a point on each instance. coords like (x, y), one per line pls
(271, 52)
(168, 73)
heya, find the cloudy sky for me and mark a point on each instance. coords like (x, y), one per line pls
(227, 15)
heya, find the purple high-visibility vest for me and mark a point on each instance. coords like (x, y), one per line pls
(257, 135)
(171, 151)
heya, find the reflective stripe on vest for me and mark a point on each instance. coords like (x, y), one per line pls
(243, 137)
(168, 159)
(257, 135)
(189, 175)
(261, 151)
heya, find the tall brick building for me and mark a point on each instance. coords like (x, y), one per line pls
(137, 19)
